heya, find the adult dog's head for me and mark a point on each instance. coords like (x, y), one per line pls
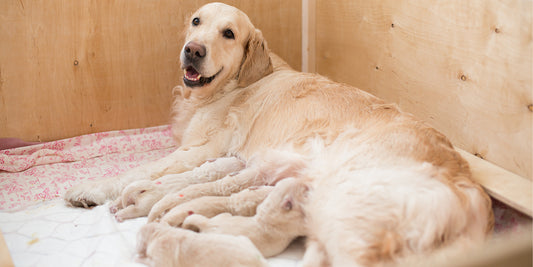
(222, 45)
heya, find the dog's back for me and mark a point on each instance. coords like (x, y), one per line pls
(369, 144)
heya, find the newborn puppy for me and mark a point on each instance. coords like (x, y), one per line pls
(243, 203)
(162, 245)
(137, 199)
(278, 220)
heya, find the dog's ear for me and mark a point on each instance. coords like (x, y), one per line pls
(256, 62)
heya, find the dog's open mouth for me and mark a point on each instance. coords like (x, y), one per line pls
(192, 78)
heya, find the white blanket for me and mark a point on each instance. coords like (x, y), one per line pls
(53, 234)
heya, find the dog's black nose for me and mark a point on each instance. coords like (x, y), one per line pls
(194, 51)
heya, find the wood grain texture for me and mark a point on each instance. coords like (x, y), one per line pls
(465, 67)
(74, 67)
(308, 35)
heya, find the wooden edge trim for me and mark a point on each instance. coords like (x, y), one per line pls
(5, 257)
(507, 187)
(512, 248)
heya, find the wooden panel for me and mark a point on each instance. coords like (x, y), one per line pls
(510, 248)
(465, 67)
(74, 67)
(5, 257)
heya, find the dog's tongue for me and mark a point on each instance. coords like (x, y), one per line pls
(192, 74)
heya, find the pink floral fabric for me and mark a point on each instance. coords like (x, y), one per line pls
(44, 171)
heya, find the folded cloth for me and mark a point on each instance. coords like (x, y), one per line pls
(7, 143)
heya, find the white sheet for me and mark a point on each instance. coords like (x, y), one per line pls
(53, 234)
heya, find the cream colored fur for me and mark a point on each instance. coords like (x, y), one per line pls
(243, 203)
(138, 197)
(161, 245)
(278, 221)
(385, 185)
(265, 168)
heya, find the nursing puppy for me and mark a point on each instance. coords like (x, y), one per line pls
(161, 245)
(240, 100)
(243, 190)
(278, 221)
(138, 197)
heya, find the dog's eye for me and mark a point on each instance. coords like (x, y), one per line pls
(228, 34)
(195, 21)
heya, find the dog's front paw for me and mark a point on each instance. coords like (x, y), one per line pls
(90, 193)
(84, 196)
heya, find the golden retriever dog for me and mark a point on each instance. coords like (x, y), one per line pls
(161, 245)
(278, 221)
(384, 185)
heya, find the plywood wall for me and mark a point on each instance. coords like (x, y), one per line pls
(465, 67)
(74, 67)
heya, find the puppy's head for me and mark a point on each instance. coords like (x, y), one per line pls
(222, 45)
(287, 200)
(295, 194)
(145, 235)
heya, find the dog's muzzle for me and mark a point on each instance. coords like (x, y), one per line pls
(192, 78)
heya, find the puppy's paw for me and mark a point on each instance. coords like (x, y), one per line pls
(113, 209)
(176, 216)
(119, 218)
(163, 206)
(115, 205)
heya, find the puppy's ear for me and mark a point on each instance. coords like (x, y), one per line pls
(256, 62)
(287, 203)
